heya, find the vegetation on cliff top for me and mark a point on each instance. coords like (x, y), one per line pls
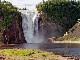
(7, 13)
(62, 12)
(9, 17)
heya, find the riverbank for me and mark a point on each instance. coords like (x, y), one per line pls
(28, 54)
(7, 46)
(54, 49)
(65, 41)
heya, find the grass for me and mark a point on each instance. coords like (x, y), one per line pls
(68, 38)
(24, 54)
(73, 39)
(19, 52)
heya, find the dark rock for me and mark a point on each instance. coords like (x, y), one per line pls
(14, 34)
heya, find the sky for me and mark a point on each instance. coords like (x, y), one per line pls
(29, 4)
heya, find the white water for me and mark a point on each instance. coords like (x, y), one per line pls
(30, 27)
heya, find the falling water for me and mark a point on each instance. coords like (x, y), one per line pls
(30, 26)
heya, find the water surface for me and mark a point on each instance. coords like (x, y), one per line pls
(65, 49)
(36, 39)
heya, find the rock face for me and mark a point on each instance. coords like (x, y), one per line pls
(75, 30)
(51, 29)
(14, 34)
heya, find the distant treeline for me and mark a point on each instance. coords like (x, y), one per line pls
(63, 12)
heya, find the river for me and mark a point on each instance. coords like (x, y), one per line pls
(36, 39)
(64, 49)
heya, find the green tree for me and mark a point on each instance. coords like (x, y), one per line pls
(62, 12)
(7, 10)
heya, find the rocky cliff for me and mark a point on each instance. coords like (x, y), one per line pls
(50, 29)
(11, 31)
(72, 35)
(14, 33)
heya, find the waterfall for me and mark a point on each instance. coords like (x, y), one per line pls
(30, 26)
(35, 22)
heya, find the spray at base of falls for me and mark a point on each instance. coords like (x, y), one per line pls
(30, 27)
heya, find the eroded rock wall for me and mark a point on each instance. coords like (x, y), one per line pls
(14, 34)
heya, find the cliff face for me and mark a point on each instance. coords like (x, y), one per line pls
(75, 31)
(72, 35)
(50, 28)
(14, 34)
(10, 24)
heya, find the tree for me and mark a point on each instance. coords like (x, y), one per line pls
(62, 12)
(7, 10)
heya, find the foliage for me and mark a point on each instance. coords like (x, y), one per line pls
(68, 38)
(62, 12)
(8, 15)
(7, 12)
(20, 52)
(28, 52)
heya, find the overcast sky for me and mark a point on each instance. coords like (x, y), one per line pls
(30, 4)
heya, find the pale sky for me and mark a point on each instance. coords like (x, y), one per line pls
(30, 4)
